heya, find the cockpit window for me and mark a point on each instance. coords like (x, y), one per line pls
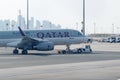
(79, 34)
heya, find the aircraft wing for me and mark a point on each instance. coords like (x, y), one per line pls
(29, 43)
(17, 42)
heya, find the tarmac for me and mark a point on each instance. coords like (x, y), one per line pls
(102, 64)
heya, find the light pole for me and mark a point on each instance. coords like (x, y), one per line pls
(27, 14)
(83, 17)
(112, 28)
(94, 27)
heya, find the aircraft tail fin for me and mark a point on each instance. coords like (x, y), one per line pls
(21, 32)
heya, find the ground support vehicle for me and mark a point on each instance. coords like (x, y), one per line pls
(85, 49)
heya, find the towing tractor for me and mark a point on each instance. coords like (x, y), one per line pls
(85, 49)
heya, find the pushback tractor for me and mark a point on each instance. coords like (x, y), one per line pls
(85, 49)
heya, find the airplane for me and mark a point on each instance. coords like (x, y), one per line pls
(41, 40)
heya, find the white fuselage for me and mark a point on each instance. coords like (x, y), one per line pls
(58, 37)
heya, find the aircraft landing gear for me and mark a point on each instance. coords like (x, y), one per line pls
(68, 49)
(15, 51)
(24, 51)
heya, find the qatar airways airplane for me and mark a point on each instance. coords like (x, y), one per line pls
(41, 40)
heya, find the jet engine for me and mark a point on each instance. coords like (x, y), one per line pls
(44, 46)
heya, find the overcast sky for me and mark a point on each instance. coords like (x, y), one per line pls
(103, 13)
